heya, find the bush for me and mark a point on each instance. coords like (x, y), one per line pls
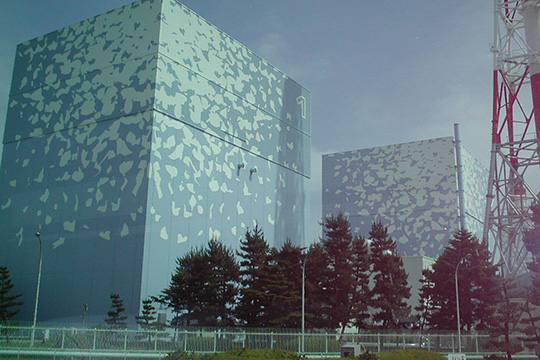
(237, 354)
(367, 356)
(254, 354)
(410, 354)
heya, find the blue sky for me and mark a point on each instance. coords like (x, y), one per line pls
(380, 72)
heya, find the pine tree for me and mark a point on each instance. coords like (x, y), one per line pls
(147, 319)
(339, 283)
(222, 285)
(317, 309)
(203, 288)
(253, 303)
(531, 241)
(116, 320)
(479, 285)
(187, 290)
(505, 321)
(425, 307)
(361, 296)
(390, 289)
(283, 285)
(9, 303)
(148, 315)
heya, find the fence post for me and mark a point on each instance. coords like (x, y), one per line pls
(326, 342)
(476, 337)
(185, 340)
(453, 344)
(125, 340)
(272, 340)
(155, 340)
(378, 343)
(63, 337)
(215, 340)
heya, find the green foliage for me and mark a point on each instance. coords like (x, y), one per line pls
(254, 301)
(505, 321)
(278, 354)
(203, 288)
(116, 320)
(147, 318)
(361, 295)
(9, 303)
(479, 286)
(338, 281)
(531, 241)
(367, 356)
(410, 354)
(284, 282)
(237, 354)
(255, 354)
(390, 289)
(222, 287)
(316, 314)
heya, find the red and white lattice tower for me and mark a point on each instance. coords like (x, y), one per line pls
(515, 149)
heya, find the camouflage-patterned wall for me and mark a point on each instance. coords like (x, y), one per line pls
(411, 188)
(132, 137)
(475, 184)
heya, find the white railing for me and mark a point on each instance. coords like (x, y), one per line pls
(155, 344)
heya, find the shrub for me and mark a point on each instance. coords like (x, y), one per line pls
(367, 356)
(255, 354)
(237, 354)
(410, 354)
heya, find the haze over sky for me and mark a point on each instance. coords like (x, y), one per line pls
(379, 72)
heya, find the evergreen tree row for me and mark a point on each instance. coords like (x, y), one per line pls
(489, 300)
(209, 287)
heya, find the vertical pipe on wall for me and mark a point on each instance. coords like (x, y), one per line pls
(459, 165)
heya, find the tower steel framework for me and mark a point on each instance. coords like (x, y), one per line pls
(515, 147)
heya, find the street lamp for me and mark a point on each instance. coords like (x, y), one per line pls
(304, 300)
(85, 310)
(457, 301)
(32, 337)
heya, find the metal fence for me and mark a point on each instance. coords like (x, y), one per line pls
(96, 343)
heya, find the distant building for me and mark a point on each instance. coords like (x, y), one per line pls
(412, 188)
(413, 266)
(134, 136)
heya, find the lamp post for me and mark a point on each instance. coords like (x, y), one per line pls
(457, 301)
(85, 310)
(303, 301)
(33, 335)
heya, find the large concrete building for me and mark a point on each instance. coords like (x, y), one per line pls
(132, 137)
(413, 188)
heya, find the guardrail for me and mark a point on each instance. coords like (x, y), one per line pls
(156, 344)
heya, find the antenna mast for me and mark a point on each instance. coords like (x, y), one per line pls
(515, 146)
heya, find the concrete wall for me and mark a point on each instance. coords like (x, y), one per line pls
(411, 188)
(123, 141)
(414, 265)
